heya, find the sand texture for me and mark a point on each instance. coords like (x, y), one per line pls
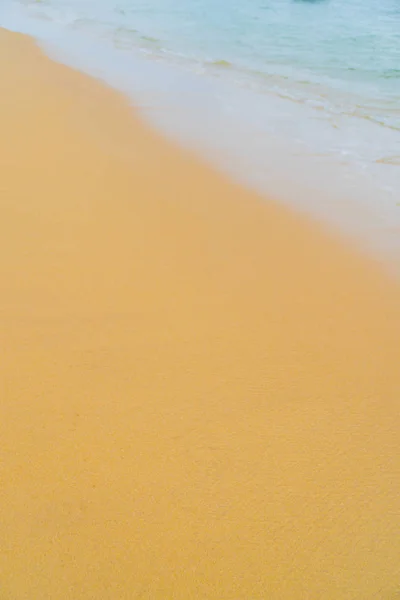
(199, 391)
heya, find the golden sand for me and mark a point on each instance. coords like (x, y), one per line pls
(199, 390)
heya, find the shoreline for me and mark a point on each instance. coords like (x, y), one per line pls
(347, 182)
(199, 388)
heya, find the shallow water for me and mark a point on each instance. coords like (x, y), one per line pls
(349, 46)
(265, 89)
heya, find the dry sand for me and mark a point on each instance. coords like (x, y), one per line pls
(199, 390)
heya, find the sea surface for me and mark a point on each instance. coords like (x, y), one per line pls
(298, 98)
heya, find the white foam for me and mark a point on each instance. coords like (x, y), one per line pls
(323, 164)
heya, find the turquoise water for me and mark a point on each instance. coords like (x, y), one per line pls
(257, 86)
(304, 47)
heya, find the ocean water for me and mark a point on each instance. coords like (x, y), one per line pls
(298, 98)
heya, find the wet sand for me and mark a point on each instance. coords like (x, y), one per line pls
(199, 390)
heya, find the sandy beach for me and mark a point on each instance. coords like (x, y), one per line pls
(199, 390)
